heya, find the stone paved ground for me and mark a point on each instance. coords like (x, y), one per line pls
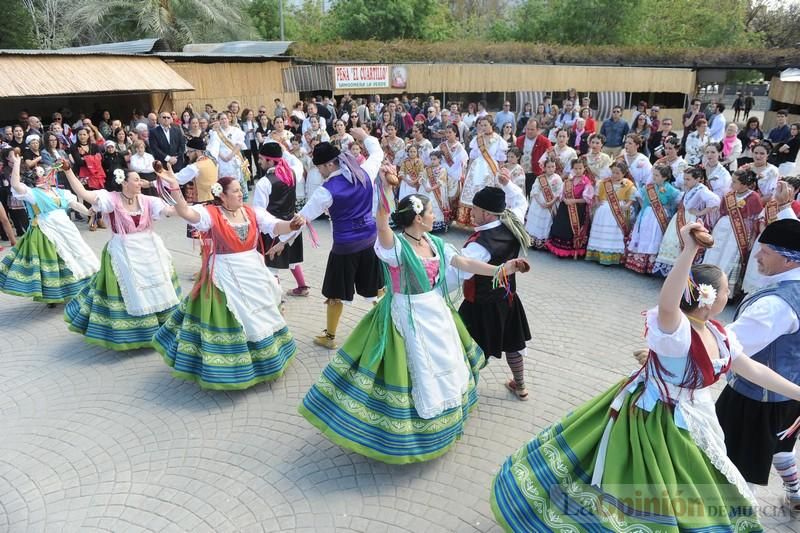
(92, 440)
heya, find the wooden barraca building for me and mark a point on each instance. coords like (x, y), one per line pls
(784, 93)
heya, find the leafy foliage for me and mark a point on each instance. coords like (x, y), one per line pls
(477, 51)
(16, 29)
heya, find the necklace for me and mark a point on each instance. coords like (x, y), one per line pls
(128, 200)
(417, 240)
(696, 320)
(232, 211)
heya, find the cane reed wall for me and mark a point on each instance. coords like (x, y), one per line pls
(251, 83)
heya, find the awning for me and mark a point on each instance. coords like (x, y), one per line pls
(44, 75)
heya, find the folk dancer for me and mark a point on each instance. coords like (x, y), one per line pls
(348, 195)
(495, 316)
(276, 193)
(51, 262)
(228, 333)
(136, 289)
(652, 438)
(767, 325)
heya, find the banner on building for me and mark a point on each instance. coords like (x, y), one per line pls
(361, 76)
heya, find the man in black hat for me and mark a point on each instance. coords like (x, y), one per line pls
(495, 317)
(767, 325)
(201, 169)
(349, 197)
(276, 193)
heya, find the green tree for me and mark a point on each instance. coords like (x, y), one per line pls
(688, 23)
(16, 29)
(382, 19)
(777, 25)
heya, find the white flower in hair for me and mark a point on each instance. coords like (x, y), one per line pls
(39, 172)
(119, 176)
(416, 205)
(216, 189)
(706, 295)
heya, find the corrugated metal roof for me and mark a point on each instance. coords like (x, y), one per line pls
(45, 76)
(239, 48)
(141, 46)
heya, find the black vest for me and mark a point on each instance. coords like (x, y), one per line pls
(282, 198)
(502, 246)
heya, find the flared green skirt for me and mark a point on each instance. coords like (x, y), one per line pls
(98, 313)
(368, 407)
(204, 342)
(656, 479)
(33, 269)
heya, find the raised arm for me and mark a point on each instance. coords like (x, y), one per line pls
(669, 313)
(182, 209)
(16, 183)
(385, 233)
(77, 187)
(480, 268)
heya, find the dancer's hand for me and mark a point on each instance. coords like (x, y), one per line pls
(504, 177)
(517, 265)
(276, 250)
(297, 222)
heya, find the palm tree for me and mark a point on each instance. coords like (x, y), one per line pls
(178, 22)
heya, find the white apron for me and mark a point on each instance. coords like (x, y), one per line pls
(439, 373)
(143, 267)
(252, 293)
(71, 247)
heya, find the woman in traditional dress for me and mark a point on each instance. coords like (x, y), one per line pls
(280, 134)
(737, 228)
(545, 194)
(698, 203)
(393, 146)
(228, 333)
(767, 173)
(639, 166)
(778, 208)
(341, 139)
(225, 144)
(561, 152)
(486, 151)
(570, 230)
(611, 221)
(136, 289)
(719, 179)
(671, 159)
(418, 139)
(403, 384)
(454, 160)
(648, 454)
(412, 173)
(434, 186)
(515, 170)
(51, 262)
(597, 163)
(658, 199)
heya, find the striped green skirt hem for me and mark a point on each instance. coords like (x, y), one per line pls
(33, 269)
(203, 342)
(98, 313)
(370, 409)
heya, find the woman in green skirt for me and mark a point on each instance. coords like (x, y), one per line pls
(228, 333)
(136, 289)
(648, 455)
(51, 262)
(403, 384)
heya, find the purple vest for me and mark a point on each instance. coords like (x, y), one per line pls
(351, 215)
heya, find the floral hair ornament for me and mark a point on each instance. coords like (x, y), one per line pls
(216, 190)
(706, 296)
(39, 172)
(415, 204)
(119, 176)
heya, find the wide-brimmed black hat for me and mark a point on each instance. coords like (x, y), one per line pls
(784, 233)
(324, 152)
(195, 143)
(491, 199)
(270, 150)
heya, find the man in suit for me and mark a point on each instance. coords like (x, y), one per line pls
(167, 143)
